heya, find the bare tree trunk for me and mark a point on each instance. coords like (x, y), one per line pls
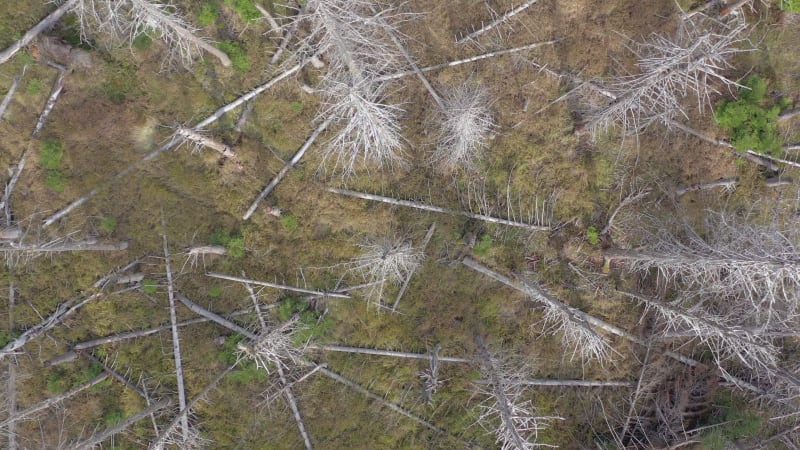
(558, 382)
(214, 317)
(459, 62)
(58, 86)
(311, 372)
(426, 207)
(407, 281)
(10, 94)
(120, 377)
(497, 21)
(773, 158)
(369, 351)
(278, 286)
(21, 415)
(788, 114)
(46, 23)
(288, 166)
(293, 405)
(355, 386)
(724, 183)
(194, 136)
(754, 158)
(5, 204)
(630, 198)
(176, 343)
(256, 304)
(87, 245)
(98, 438)
(11, 386)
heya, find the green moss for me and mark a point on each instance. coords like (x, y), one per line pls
(236, 53)
(215, 292)
(87, 374)
(57, 382)
(34, 86)
(113, 417)
(296, 106)
(208, 14)
(737, 422)
(149, 286)
(142, 41)
(231, 241)
(790, 5)
(50, 154)
(483, 246)
(245, 8)
(592, 235)
(108, 224)
(750, 120)
(289, 222)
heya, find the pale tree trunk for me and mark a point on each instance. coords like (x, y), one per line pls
(176, 344)
(293, 405)
(21, 415)
(407, 281)
(355, 386)
(58, 86)
(288, 166)
(256, 304)
(86, 245)
(10, 94)
(11, 387)
(277, 286)
(288, 386)
(5, 204)
(31, 34)
(98, 438)
(394, 354)
(496, 22)
(426, 207)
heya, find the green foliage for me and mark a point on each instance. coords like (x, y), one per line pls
(142, 41)
(87, 374)
(790, 5)
(750, 121)
(297, 106)
(233, 242)
(34, 86)
(113, 417)
(57, 382)
(236, 53)
(5, 338)
(289, 222)
(310, 324)
(593, 235)
(290, 306)
(228, 353)
(50, 154)
(108, 224)
(245, 8)
(208, 14)
(737, 422)
(483, 245)
(215, 292)
(149, 286)
(247, 372)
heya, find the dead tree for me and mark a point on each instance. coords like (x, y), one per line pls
(10, 94)
(670, 69)
(407, 280)
(576, 327)
(466, 126)
(384, 262)
(514, 421)
(199, 140)
(31, 34)
(101, 436)
(438, 209)
(495, 23)
(5, 203)
(63, 311)
(279, 286)
(176, 343)
(58, 86)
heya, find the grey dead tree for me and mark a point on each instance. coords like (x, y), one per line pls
(407, 280)
(247, 281)
(513, 420)
(10, 93)
(63, 311)
(384, 262)
(669, 69)
(58, 86)
(101, 436)
(497, 22)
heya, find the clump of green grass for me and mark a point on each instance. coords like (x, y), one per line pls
(236, 53)
(34, 86)
(233, 242)
(790, 5)
(113, 417)
(208, 14)
(149, 286)
(289, 222)
(736, 420)
(50, 154)
(57, 382)
(750, 121)
(592, 235)
(245, 8)
(215, 292)
(311, 324)
(483, 246)
(108, 224)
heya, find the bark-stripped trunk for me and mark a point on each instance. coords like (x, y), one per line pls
(58, 86)
(278, 286)
(288, 166)
(176, 344)
(10, 94)
(394, 354)
(98, 438)
(496, 22)
(31, 34)
(426, 207)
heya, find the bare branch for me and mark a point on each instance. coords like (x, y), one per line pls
(278, 286)
(98, 438)
(31, 34)
(10, 94)
(505, 17)
(51, 102)
(176, 343)
(407, 280)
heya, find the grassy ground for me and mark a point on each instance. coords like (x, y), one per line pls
(111, 115)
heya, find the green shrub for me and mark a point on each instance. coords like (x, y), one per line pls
(593, 235)
(483, 245)
(289, 222)
(290, 306)
(149, 286)
(113, 418)
(50, 154)
(34, 86)
(5, 338)
(245, 8)
(142, 41)
(790, 5)
(736, 422)
(296, 106)
(215, 292)
(108, 224)
(56, 382)
(87, 374)
(236, 53)
(208, 14)
(231, 241)
(228, 353)
(749, 120)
